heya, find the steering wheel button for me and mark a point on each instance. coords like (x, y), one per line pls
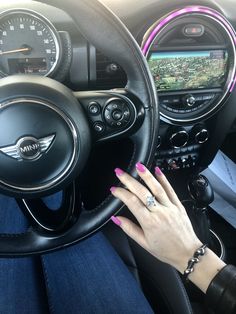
(99, 127)
(108, 116)
(114, 106)
(117, 115)
(127, 113)
(94, 108)
(109, 107)
(119, 124)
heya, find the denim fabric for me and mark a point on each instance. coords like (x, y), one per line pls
(91, 278)
(85, 278)
(22, 289)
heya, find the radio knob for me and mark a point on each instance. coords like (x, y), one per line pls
(179, 138)
(190, 100)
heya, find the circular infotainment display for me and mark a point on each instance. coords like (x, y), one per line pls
(191, 55)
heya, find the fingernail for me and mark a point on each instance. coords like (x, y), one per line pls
(140, 167)
(112, 189)
(119, 172)
(158, 171)
(116, 221)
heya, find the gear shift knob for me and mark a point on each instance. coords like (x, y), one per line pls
(201, 191)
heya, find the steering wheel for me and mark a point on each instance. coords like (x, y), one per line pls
(47, 133)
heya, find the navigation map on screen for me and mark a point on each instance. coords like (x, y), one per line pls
(188, 70)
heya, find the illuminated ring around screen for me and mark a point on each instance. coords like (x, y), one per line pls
(159, 26)
(192, 9)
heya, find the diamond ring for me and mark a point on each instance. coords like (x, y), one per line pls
(150, 201)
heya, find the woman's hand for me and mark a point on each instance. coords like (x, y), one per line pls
(165, 229)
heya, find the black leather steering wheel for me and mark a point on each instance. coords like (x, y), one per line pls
(46, 135)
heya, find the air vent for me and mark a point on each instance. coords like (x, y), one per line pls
(109, 73)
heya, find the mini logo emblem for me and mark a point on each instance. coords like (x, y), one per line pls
(28, 148)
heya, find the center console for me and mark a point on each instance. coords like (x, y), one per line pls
(180, 146)
(191, 55)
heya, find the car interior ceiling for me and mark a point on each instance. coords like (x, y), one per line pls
(190, 47)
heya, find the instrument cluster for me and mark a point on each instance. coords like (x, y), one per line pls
(29, 44)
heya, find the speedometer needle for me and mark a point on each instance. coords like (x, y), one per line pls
(15, 51)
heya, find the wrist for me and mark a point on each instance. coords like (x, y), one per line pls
(205, 270)
(182, 263)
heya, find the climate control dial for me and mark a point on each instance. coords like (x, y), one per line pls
(178, 137)
(200, 134)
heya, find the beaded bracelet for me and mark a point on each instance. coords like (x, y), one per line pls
(194, 260)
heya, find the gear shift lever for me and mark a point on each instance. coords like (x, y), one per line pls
(202, 193)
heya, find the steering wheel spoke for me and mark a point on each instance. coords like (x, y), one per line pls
(111, 114)
(43, 218)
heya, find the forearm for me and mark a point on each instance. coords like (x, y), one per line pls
(221, 293)
(217, 280)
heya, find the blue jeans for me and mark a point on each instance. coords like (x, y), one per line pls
(86, 278)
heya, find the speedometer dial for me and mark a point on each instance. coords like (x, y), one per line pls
(29, 44)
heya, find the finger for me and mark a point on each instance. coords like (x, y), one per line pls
(134, 204)
(134, 186)
(167, 187)
(132, 230)
(155, 187)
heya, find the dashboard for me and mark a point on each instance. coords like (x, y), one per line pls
(189, 46)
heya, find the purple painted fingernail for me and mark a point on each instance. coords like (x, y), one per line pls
(158, 171)
(112, 189)
(119, 172)
(116, 221)
(140, 167)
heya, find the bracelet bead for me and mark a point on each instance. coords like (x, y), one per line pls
(194, 260)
